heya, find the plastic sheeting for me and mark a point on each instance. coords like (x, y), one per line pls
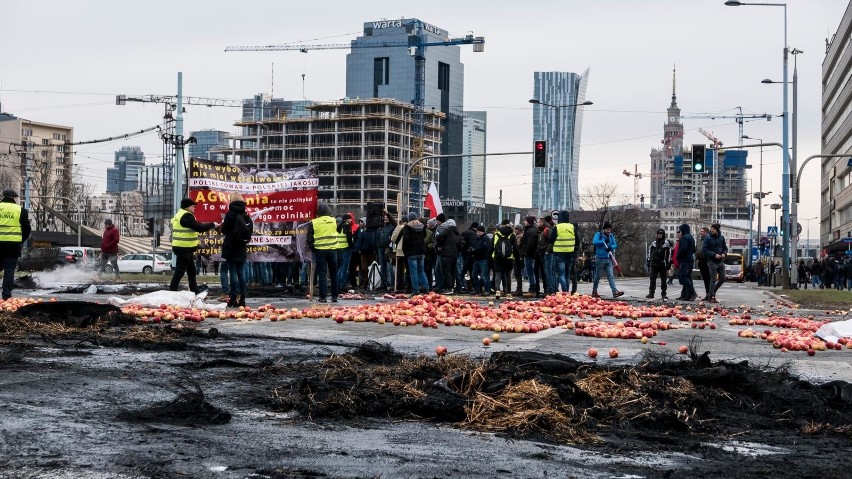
(184, 299)
(836, 330)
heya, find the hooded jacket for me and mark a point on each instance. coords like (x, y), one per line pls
(234, 245)
(413, 238)
(713, 245)
(448, 241)
(109, 242)
(686, 245)
(564, 217)
(659, 254)
(529, 243)
(505, 231)
(604, 244)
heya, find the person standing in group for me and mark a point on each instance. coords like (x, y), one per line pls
(564, 239)
(816, 273)
(481, 250)
(701, 261)
(185, 229)
(447, 245)
(403, 282)
(605, 246)
(14, 230)
(518, 263)
(467, 237)
(414, 247)
(715, 250)
(685, 261)
(348, 229)
(802, 275)
(529, 250)
(323, 239)
(546, 252)
(109, 248)
(504, 253)
(658, 262)
(385, 255)
(238, 229)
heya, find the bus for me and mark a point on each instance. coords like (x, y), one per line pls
(734, 270)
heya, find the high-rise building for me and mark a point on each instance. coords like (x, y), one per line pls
(205, 143)
(389, 72)
(558, 120)
(124, 176)
(473, 167)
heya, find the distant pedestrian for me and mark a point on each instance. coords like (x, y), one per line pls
(715, 250)
(701, 261)
(605, 246)
(185, 229)
(802, 275)
(686, 260)
(109, 248)
(14, 230)
(658, 262)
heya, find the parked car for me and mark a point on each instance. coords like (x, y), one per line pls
(45, 259)
(141, 263)
(87, 257)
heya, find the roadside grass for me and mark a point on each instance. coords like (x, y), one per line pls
(819, 298)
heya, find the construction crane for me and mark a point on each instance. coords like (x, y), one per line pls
(636, 177)
(416, 43)
(740, 118)
(717, 143)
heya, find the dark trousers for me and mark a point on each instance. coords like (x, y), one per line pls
(717, 270)
(661, 271)
(184, 264)
(429, 266)
(9, 265)
(705, 276)
(685, 277)
(449, 268)
(467, 268)
(327, 266)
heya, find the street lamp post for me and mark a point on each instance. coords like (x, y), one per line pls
(551, 171)
(760, 194)
(785, 175)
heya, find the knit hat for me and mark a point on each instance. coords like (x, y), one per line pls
(441, 217)
(530, 219)
(9, 194)
(480, 228)
(412, 216)
(716, 226)
(548, 219)
(186, 203)
(107, 221)
(606, 225)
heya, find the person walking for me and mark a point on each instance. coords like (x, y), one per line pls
(447, 245)
(414, 247)
(323, 238)
(802, 275)
(701, 261)
(109, 248)
(715, 250)
(658, 262)
(238, 228)
(504, 252)
(605, 246)
(14, 230)
(816, 273)
(685, 261)
(563, 237)
(185, 229)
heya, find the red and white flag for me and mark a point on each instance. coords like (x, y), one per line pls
(433, 202)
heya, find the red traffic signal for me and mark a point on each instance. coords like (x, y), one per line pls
(540, 153)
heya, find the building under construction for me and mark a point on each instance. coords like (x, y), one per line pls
(362, 148)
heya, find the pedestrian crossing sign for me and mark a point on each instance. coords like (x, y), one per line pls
(772, 231)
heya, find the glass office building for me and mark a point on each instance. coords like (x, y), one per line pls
(473, 167)
(124, 176)
(205, 142)
(554, 120)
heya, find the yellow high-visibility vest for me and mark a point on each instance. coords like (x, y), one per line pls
(10, 222)
(183, 237)
(565, 238)
(325, 233)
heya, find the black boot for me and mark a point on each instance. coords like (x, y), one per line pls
(232, 302)
(242, 301)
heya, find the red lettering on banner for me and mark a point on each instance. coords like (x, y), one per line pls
(273, 207)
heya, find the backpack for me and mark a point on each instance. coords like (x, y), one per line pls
(243, 228)
(503, 247)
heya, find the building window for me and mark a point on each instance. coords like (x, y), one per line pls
(381, 71)
(27, 132)
(443, 76)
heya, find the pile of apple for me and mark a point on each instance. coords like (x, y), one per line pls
(796, 340)
(620, 330)
(12, 304)
(800, 323)
(167, 313)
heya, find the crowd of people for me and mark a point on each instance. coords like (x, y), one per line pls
(708, 252)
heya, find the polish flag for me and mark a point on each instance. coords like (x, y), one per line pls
(433, 202)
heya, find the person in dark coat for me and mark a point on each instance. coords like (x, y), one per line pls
(185, 229)
(532, 260)
(447, 244)
(467, 237)
(658, 262)
(481, 251)
(686, 260)
(414, 248)
(15, 222)
(384, 253)
(503, 266)
(237, 228)
(701, 261)
(715, 250)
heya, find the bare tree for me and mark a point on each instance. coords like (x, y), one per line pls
(83, 193)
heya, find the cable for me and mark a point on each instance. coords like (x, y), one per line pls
(123, 137)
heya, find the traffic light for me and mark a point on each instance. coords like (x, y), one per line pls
(151, 225)
(540, 153)
(698, 154)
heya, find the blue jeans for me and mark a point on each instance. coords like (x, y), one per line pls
(605, 264)
(343, 267)
(9, 265)
(386, 269)
(529, 267)
(224, 276)
(815, 280)
(564, 264)
(237, 275)
(549, 273)
(327, 263)
(417, 273)
(479, 276)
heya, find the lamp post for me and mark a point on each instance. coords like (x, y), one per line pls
(552, 172)
(760, 194)
(785, 175)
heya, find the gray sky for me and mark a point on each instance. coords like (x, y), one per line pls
(96, 49)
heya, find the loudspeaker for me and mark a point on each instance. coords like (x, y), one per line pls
(375, 216)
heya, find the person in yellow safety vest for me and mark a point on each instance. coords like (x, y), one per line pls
(563, 236)
(14, 230)
(185, 229)
(324, 240)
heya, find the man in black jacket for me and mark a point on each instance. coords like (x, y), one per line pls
(447, 244)
(185, 229)
(715, 250)
(686, 260)
(658, 262)
(529, 249)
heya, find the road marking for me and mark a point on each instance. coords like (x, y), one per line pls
(540, 335)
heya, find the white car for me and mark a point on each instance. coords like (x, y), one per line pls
(142, 263)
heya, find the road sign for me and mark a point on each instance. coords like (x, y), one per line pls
(849, 252)
(847, 240)
(772, 231)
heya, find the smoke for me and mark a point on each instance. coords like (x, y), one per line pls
(65, 275)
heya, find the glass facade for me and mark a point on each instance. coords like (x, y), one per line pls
(206, 140)
(473, 167)
(124, 176)
(560, 124)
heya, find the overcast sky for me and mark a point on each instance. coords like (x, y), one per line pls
(64, 62)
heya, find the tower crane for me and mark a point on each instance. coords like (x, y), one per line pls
(416, 43)
(740, 118)
(636, 177)
(717, 143)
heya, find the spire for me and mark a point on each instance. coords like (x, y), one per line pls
(674, 86)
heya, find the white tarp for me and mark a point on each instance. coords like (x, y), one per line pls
(836, 330)
(183, 299)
